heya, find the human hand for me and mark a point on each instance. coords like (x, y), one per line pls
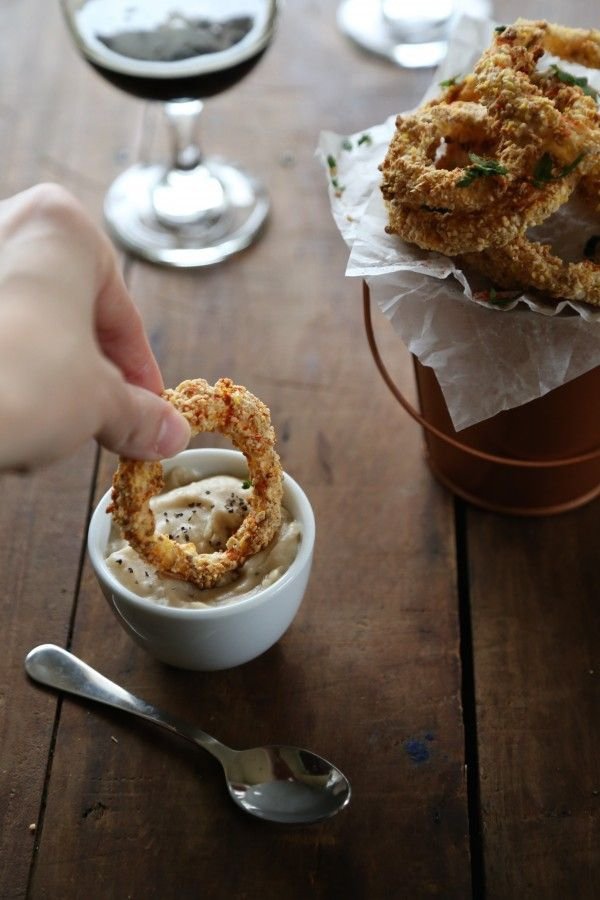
(75, 361)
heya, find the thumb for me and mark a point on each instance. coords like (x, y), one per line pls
(141, 425)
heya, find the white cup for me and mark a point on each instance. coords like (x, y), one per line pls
(219, 636)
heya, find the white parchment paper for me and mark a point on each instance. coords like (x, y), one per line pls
(486, 358)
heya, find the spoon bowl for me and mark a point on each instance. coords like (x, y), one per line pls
(286, 784)
(275, 783)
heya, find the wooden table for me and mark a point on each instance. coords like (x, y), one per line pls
(445, 658)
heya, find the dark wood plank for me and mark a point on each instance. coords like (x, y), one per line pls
(42, 515)
(369, 675)
(42, 521)
(534, 593)
(536, 634)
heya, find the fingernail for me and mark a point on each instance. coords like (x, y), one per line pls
(174, 434)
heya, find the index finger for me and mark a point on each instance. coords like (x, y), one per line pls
(122, 336)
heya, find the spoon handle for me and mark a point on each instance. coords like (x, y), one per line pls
(57, 668)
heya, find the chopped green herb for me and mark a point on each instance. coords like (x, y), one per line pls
(543, 172)
(246, 484)
(332, 163)
(499, 29)
(566, 170)
(347, 144)
(450, 82)
(591, 247)
(365, 139)
(567, 78)
(495, 300)
(481, 168)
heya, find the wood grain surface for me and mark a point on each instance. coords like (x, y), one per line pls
(443, 657)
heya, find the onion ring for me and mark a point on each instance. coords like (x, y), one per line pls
(516, 119)
(452, 234)
(523, 263)
(502, 81)
(410, 169)
(579, 45)
(233, 411)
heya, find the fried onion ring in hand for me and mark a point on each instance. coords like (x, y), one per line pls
(233, 411)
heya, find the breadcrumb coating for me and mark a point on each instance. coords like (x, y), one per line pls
(500, 151)
(233, 411)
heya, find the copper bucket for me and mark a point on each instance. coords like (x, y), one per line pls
(537, 459)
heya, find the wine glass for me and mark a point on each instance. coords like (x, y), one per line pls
(413, 35)
(197, 210)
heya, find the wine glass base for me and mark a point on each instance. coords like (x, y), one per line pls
(363, 23)
(133, 224)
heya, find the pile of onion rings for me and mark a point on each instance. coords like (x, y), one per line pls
(232, 410)
(497, 152)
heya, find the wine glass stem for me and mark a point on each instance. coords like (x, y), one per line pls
(183, 119)
(187, 193)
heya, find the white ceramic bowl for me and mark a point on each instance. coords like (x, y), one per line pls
(216, 637)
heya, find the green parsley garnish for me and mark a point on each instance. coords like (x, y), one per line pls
(500, 28)
(481, 168)
(495, 300)
(347, 144)
(567, 78)
(450, 82)
(543, 172)
(246, 484)
(591, 247)
(337, 187)
(365, 139)
(332, 163)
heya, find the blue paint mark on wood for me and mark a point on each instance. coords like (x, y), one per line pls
(417, 749)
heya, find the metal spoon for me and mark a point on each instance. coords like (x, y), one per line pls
(276, 783)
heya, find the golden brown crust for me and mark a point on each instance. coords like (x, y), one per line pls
(455, 233)
(523, 264)
(233, 411)
(505, 112)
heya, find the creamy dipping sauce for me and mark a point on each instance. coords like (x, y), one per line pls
(207, 512)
